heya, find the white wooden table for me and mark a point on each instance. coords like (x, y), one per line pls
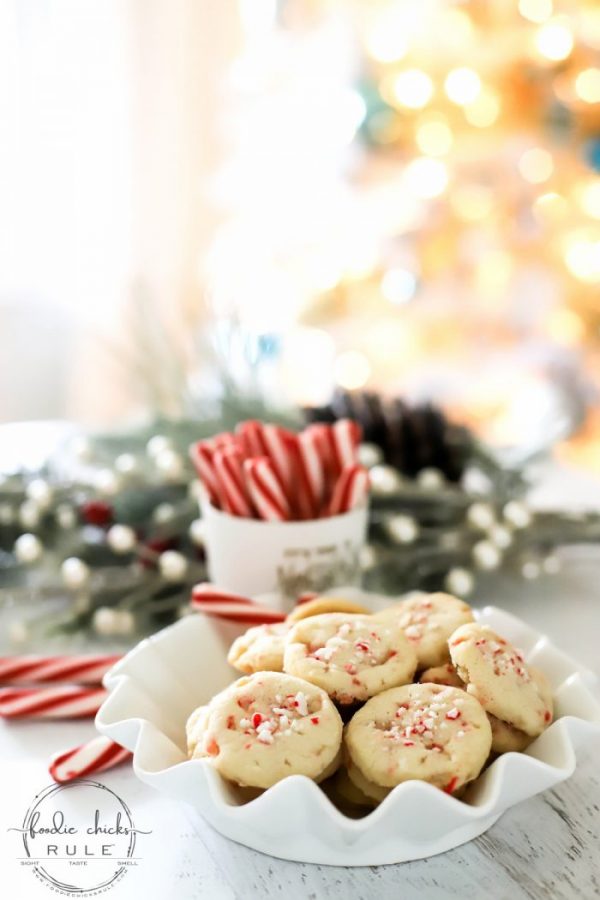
(548, 847)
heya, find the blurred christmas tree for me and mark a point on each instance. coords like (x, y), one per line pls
(413, 194)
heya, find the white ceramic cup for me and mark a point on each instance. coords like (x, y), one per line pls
(251, 557)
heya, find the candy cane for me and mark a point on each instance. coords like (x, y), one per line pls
(250, 435)
(322, 436)
(265, 490)
(350, 491)
(234, 492)
(223, 439)
(202, 455)
(96, 755)
(60, 702)
(311, 472)
(346, 438)
(42, 669)
(280, 450)
(231, 607)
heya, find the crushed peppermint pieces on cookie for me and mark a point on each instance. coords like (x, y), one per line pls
(323, 654)
(413, 632)
(503, 658)
(366, 654)
(451, 785)
(301, 703)
(284, 719)
(422, 722)
(212, 748)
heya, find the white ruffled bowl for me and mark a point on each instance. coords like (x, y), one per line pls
(155, 687)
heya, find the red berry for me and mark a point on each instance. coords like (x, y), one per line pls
(97, 512)
(159, 545)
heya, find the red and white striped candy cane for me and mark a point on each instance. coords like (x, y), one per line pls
(42, 669)
(232, 607)
(350, 490)
(96, 755)
(251, 437)
(265, 490)
(57, 702)
(322, 436)
(223, 439)
(346, 438)
(202, 456)
(233, 489)
(280, 450)
(311, 473)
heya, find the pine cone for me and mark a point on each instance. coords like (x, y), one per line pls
(411, 438)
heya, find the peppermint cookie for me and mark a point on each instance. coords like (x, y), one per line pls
(351, 657)
(427, 732)
(445, 674)
(267, 726)
(348, 791)
(497, 675)
(260, 649)
(373, 792)
(506, 739)
(194, 729)
(428, 620)
(347, 796)
(321, 605)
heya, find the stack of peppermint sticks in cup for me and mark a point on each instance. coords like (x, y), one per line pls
(264, 471)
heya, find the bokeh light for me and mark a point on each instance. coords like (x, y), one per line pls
(484, 110)
(434, 137)
(536, 165)
(554, 41)
(589, 198)
(413, 88)
(538, 11)
(582, 256)
(398, 285)
(587, 85)
(462, 85)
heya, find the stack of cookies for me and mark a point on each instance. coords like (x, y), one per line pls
(426, 693)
